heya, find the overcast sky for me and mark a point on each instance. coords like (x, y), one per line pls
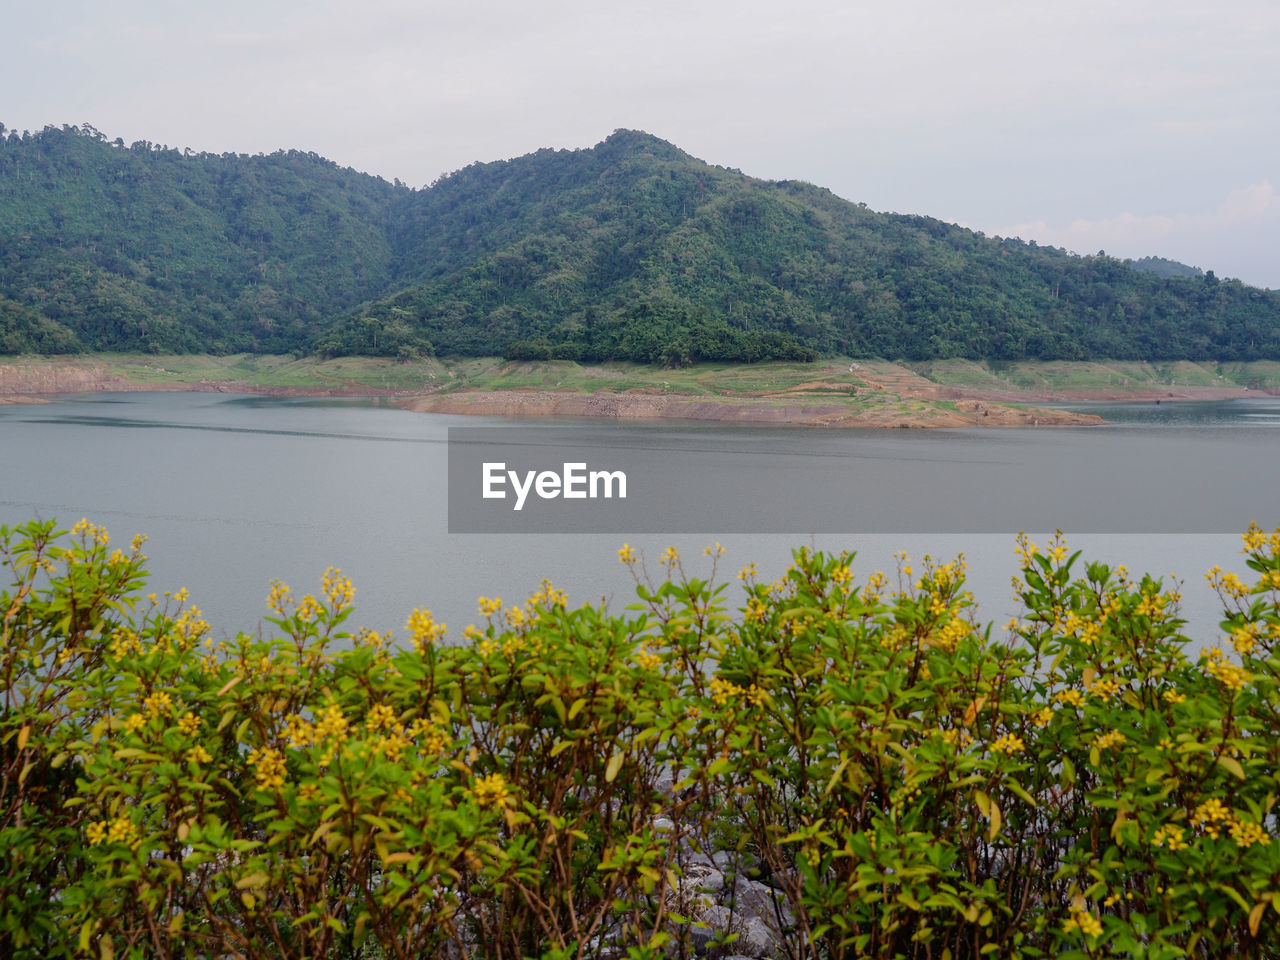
(1135, 126)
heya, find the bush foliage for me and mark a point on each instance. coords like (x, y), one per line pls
(911, 784)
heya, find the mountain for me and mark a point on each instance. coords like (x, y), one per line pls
(1165, 268)
(631, 249)
(148, 248)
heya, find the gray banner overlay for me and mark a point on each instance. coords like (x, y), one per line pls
(798, 480)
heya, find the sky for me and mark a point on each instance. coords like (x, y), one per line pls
(1138, 127)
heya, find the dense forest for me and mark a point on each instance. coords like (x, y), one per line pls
(629, 250)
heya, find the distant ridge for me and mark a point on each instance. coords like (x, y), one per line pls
(1165, 268)
(631, 249)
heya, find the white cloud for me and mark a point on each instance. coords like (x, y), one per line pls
(1243, 229)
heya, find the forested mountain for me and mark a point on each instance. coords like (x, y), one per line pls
(1165, 268)
(149, 248)
(629, 250)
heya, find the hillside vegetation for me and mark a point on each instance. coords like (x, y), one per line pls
(630, 250)
(817, 768)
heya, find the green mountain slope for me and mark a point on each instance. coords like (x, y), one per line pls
(148, 248)
(629, 250)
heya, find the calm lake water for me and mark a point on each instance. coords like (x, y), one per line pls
(235, 490)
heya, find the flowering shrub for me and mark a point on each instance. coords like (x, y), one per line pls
(908, 782)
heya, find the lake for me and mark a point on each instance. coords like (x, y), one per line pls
(236, 490)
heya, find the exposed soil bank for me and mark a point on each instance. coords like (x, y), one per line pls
(24, 382)
(20, 380)
(873, 394)
(644, 406)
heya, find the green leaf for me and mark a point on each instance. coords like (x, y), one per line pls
(258, 879)
(996, 820)
(983, 802)
(1020, 793)
(1231, 765)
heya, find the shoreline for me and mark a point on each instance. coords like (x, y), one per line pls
(870, 394)
(44, 382)
(689, 407)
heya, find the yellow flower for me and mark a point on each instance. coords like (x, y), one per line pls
(1254, 539)
(308, 609)
(669, 557)
(957, 738)
(1229, 675)
(135, 722)
(1104, 687)
(895, 638)
(646, 659)
(1008, 744)
(431, 739)
(299, 732)
(1085, 922)
(331, 729)
(424, 630)
(1211, 816)
(1109, 739)
(337, 589)
(953, 631)
(269, 767)
(1244, 639)
(1043, 717)
(279, 597)
(1169, 836)
(381, 717)
(723, 690)
(369, 638)
(392, 745)
(124, 641)
(119, 830)
(492, 791)
(1247, 834)
(626, 554)
(547, 597)
(158, 703)
(198, 755)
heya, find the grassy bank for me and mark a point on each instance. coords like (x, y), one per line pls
(837, 392)
(1101, 375)
(825, 379)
